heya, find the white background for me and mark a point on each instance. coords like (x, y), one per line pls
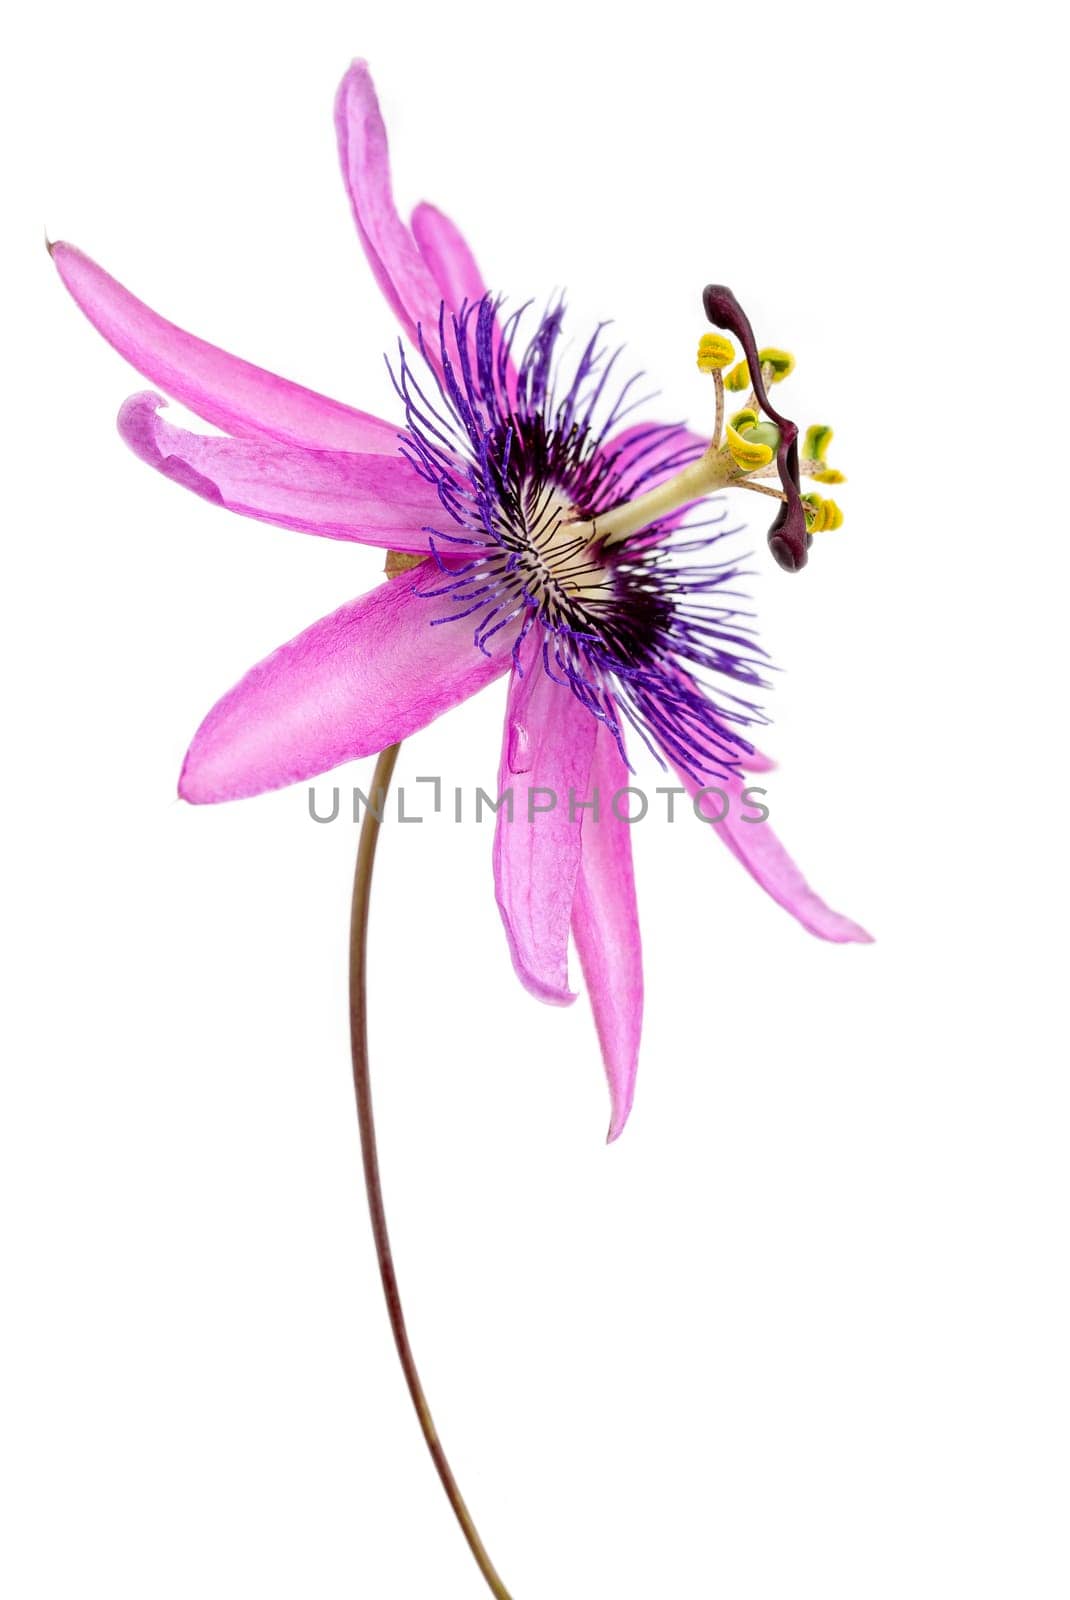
(803, 1332)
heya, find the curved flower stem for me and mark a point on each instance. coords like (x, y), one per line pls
(358, 1027)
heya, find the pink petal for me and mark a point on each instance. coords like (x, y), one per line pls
(757, 762)
(459, 279)
(605, 924)
(224, 390)
(760, 851)
(400, 270)
(372, 499)
(548, 746)
(360, 679)
(448, 258)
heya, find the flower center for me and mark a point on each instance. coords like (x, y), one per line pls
(563, 516)
(554, 562)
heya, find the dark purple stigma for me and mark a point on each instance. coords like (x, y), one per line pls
(787, 537)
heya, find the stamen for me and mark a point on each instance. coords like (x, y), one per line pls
(748, 455)
(714, 353)
(815, 449)
(776, 364)
(787, 536)
(821, 514)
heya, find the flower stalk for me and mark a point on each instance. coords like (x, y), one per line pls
(358, 1027)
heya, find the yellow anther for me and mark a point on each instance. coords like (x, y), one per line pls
(781, 361)
(814, 508)
(821, 515)
(815, 448)
(715, 352)
(743, 420)
(746, 453)
(738, 379)
(818, 438)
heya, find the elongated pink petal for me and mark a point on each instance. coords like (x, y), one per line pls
(447, 256)
(364, 677)
(757, 847)
(372, 499)
(605, 925)
(757, 762)
(454, 267)
(400, 270)
(229, 393)
(546, 761)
